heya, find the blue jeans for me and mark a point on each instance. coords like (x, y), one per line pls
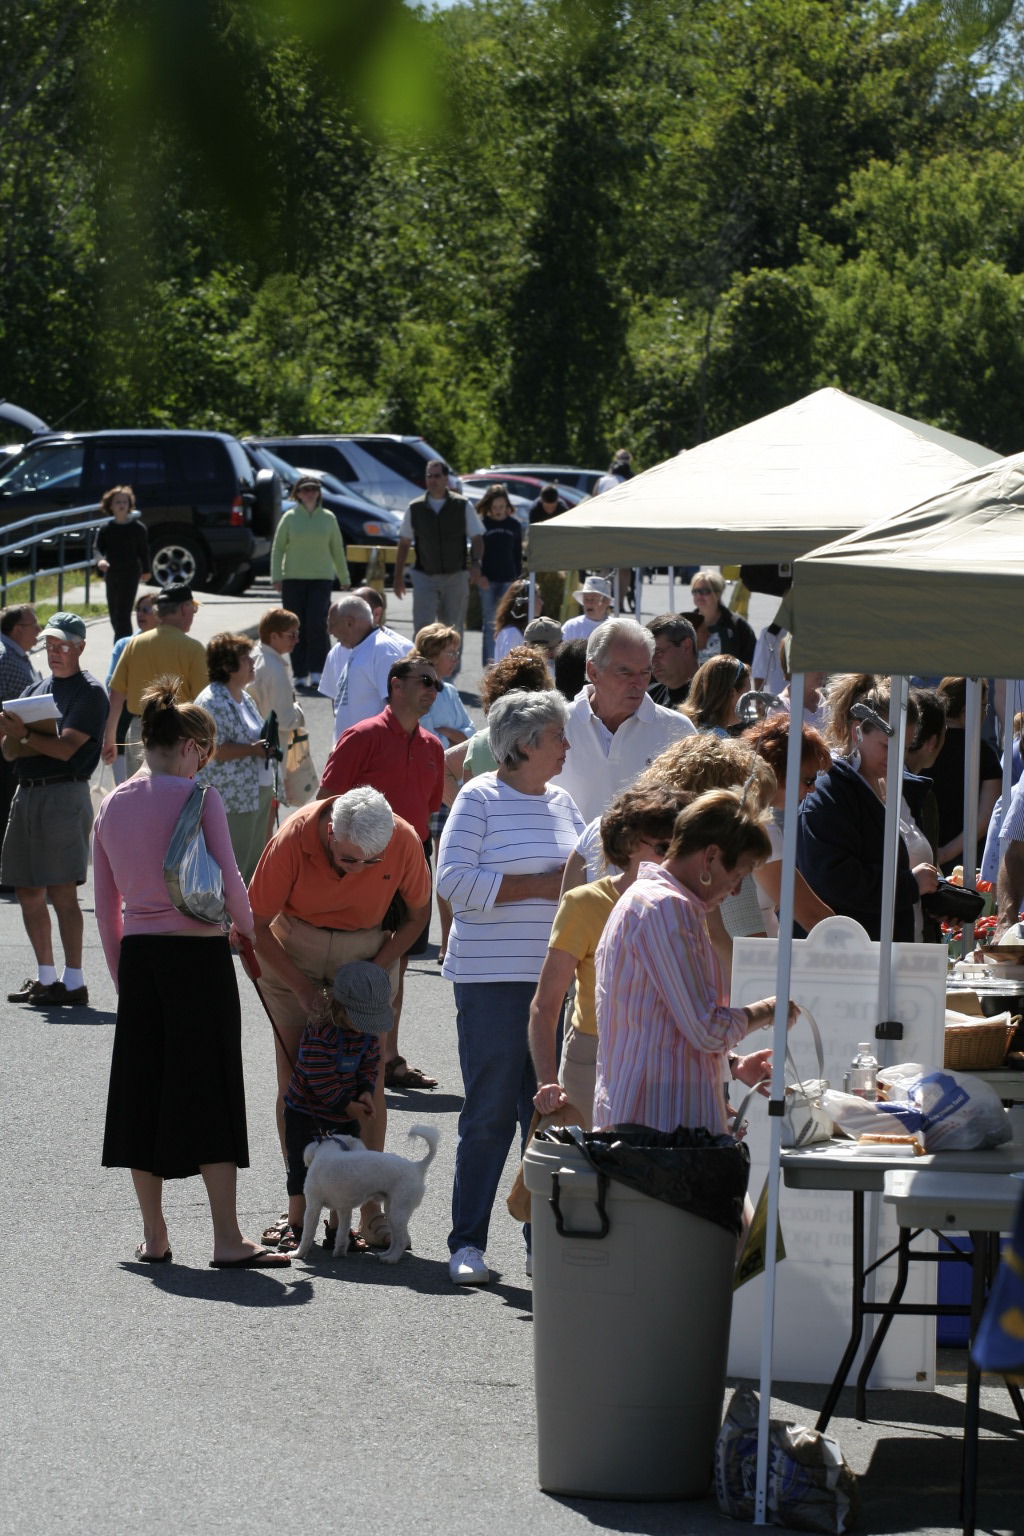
(500, 1083)
(490, 597)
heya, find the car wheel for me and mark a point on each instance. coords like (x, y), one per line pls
(178, 558)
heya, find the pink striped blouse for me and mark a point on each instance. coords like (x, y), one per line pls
(661, 1023)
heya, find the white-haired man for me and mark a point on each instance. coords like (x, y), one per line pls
(355, 674)
(319, 898)
(615, 729)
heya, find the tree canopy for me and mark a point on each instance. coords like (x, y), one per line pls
(540, 228)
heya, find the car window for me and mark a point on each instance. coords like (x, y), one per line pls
(138, 464)
(51, 466)
(401, 458)
(322, 456)
(202, 461)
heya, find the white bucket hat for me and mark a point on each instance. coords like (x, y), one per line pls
(594, 586)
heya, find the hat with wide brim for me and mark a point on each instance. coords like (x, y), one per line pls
(594, 586)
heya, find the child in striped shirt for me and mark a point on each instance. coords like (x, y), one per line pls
(334, 1078)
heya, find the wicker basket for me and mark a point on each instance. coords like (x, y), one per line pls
(978, 1047)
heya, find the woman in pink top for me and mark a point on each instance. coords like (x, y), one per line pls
(665, 1030)
(176, 1102)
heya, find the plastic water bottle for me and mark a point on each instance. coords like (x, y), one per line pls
(862, 1078)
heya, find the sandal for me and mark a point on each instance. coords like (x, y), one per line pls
(272, 1236)
(289, 1239)
(375, 1232)
(356, 1244)
(399, 1074)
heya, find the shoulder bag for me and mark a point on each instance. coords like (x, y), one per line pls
(193, 876)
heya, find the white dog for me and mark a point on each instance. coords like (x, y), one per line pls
(343, 1173)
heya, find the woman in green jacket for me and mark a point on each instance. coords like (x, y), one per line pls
(308, 553)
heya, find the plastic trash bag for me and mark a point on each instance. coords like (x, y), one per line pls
(810, 1486)
(954, 1111)
(697, 1171)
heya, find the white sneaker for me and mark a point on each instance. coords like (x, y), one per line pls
(468, 1267)
(529, 1263)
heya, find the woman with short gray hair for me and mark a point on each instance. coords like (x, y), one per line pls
(500, 865)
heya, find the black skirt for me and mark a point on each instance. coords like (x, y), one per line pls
(177, 1097)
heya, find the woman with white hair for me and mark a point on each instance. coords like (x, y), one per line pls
(500, 865)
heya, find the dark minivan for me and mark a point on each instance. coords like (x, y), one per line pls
(208, 510)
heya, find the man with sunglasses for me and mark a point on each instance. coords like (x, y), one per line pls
(324, 894)
(46, 845)
(394, 754)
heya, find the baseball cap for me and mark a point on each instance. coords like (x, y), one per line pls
(64, 626)
(364, 991)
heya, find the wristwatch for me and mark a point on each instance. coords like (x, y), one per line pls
(732, 1059)
(23, 740)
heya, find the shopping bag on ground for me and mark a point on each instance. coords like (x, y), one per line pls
(810, 1486)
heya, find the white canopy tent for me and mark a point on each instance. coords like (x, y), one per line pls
(934, 589)
(766, 493)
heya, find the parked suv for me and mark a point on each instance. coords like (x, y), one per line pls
(209, 511)
(385, 468)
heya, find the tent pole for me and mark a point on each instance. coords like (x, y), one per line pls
(671, 589)
(972, 785)
(778, 1088)
(638, 583)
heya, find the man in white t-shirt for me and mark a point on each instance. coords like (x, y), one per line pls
(355, 674)
(615, 730)
(595, 598)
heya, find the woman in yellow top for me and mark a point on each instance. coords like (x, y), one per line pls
(636, 828)
(307, 554)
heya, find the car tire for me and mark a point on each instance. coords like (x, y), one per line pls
(178, 557)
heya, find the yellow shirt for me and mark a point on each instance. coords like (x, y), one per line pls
(164, 651)
(577, 929)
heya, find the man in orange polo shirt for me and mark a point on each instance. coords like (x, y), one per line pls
(319, 898)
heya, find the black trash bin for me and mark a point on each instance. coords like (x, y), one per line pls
(634, 1247)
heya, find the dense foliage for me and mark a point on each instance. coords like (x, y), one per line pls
(520, 227)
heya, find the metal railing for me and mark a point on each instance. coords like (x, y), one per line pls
(66, 523)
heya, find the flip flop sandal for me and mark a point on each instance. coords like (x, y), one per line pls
(407, 1077)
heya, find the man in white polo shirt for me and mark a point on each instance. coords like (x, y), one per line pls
(355, 674)
(615, 729)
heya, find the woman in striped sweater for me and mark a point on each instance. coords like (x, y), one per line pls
(500, 865)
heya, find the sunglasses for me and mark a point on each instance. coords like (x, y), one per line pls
(421, 677)
(700, 592)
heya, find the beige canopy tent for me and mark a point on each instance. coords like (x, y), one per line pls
(766, 493)
(938, 589)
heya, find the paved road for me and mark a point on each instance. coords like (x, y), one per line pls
(349, 1395)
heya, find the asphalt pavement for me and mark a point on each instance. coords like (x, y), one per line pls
(350, 1395)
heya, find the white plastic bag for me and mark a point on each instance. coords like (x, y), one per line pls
(954, 1111)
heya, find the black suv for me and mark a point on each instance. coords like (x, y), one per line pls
(209, 511)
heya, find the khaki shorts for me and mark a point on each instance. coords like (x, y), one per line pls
(578, 1071)
(317, 952)
(47, 839)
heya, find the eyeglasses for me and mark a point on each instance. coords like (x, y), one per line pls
(60, 646)
(346, 858)
(449, 653)
(145, 608)
(809, 783)
(436, 474)
(660, 848)
(700, 592)
(421, 677)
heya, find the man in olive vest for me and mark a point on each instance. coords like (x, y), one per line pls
(440, 525)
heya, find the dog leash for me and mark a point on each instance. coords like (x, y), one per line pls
(251, 966)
